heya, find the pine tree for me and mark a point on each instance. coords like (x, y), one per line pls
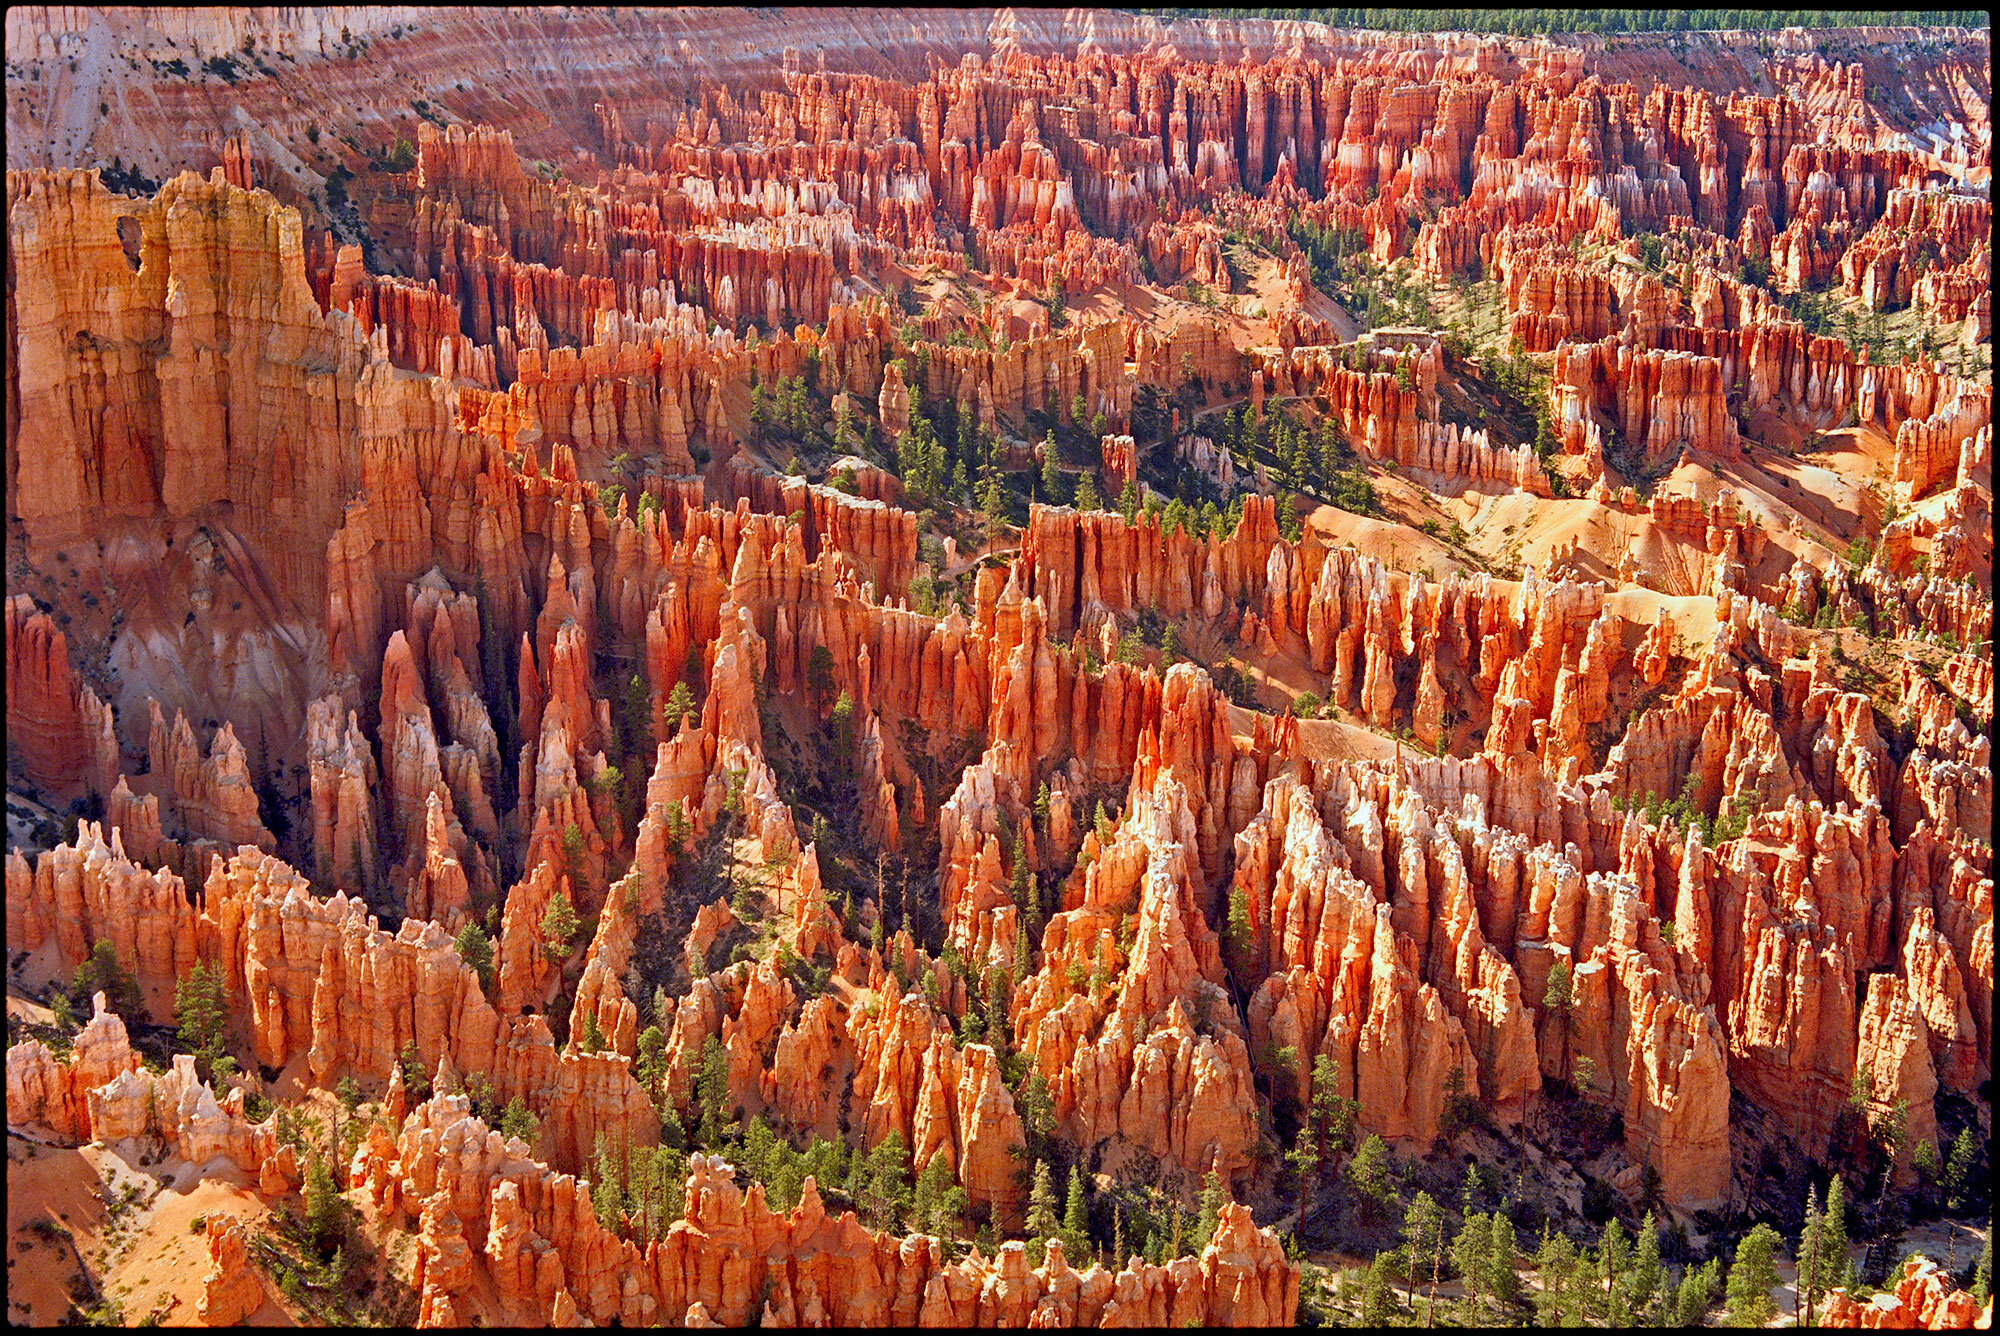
(680, 704)
(1037, 1112)
(1086, 493)
(1304, 1159)
(1213, 1195)
(1469, 1253)
(607, 1197)
(1752, 1277)
(1288, 518)
(1612, 1254)
(651, 1058)
(948, 1213)
(1961, 1171)
(517, 1121)
(886, 1193)
(760, 1149)
(1555, 1270)
(1238, 923)
(1423, 1230)
(102, 972)
(1332, 1112)
(712, 1092)
(592, 1038)
(1378, 1301)
(931, 1184)
(1811, 1259)
(1369, 1172)
(559, 924)
(323, 1205)
(1697, 1291)
(1042, 1224)
(1834, 1269)
(1643, 1284)
(475, 948)
(1557, 996)
(1053, 493)
(993, 502)
(1076, 1222)
(1501, 1278)
(202, 1013)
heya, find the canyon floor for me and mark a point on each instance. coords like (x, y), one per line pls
(996, 667)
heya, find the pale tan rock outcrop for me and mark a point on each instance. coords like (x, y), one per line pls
(1924, 1299)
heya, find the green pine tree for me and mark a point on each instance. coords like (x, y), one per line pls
(1812, 1258)
(607, 1197)
(1961, 1171)
(1752, 1278)
(1378, 1301)
(1054, 493)
(1469, 1253)
(1423, 1233)
(1835, 1270)
(886, 1194)
(932, 1184)
(1556, 1264)
(1037, 1113)
(1643, 1282)
(680, 704)
(517, 1121)
(1213, 1195)
(712, 1094)
(1086, 493)
(325, 1208)
(1042, 1225)
(1696, 1293)
(202, 1013)
(559, 925)
(1613, 1252)
(1237, 926)
(475, 948)
(1077, 1247)
(1368, 1171)
(1501, 1279)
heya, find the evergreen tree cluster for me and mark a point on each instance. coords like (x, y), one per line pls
(1305, 457)
(785, 410)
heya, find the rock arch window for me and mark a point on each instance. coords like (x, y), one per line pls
(129, 237)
